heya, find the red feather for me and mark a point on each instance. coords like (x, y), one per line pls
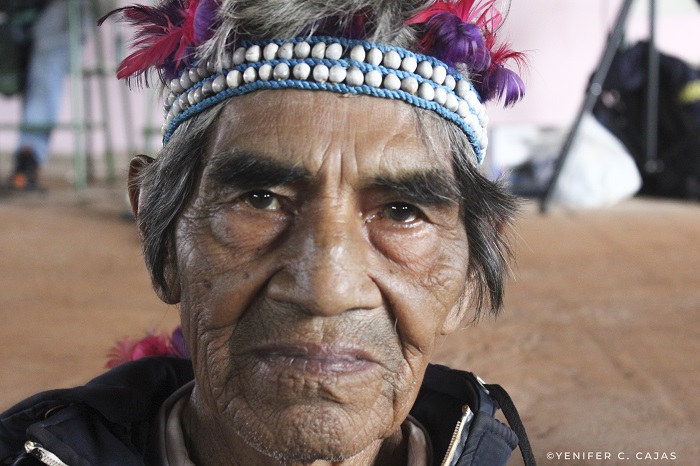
(469, 11)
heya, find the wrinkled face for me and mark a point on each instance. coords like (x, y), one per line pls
(321, 257)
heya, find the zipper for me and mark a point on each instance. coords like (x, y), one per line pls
(42, 454)
(467, 416)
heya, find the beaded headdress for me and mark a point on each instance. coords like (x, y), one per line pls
(456, 65)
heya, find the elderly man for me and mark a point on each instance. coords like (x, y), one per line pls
(318, 215)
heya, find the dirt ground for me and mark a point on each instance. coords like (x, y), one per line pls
(599, 344)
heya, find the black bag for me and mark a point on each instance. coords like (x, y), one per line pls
(622, 109)
(16, 20)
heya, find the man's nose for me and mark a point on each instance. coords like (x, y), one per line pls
(327, 265)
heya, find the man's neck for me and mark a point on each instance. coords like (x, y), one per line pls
(210, 444)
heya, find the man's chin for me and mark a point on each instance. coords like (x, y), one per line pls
(306, 433)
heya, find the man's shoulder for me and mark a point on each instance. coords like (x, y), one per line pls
(122, 403)
(458, 411)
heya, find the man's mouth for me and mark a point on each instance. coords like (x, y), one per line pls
(314, 358)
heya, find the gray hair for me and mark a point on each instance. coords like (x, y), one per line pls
(284, 19)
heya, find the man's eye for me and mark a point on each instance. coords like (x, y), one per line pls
(401, 212)
(263, 200)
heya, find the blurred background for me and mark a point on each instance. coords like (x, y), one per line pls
(599, 343)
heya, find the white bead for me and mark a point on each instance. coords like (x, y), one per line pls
(203, 70)
(175, 86)
(392, 82)
(281, 72)
(169, 118)
(409, 84)
(472, 120)
(318, 50)
(175, 109)
(450, 82)
(374, 56)
(463, 109)
(392, 60)
(334, 51)
(185, 82)
(451, 102)
(270, 51)
(234, 78)
(183, 101)
(301, 71)
(409, 64)
(286, 51)
(211, 66)
(355, 77)
(337, 74)
(190, 97)
(207, 89)
(239, 56)
(253, 53)
(440, 95)
(439, 74)
(302, 50)
(321, 73)
(358, 53)
(425, 69)
(265, 72)
(463, 88)
(194, 76)
(472, 100)
(373, 78)
(164, 129)
(219, 84)
(198, 95)
(250, 75)
(426, 91)
(171, 98)
(226, 62)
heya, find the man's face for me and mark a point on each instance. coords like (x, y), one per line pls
(321, 257)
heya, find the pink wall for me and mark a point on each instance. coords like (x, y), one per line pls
(565, 39)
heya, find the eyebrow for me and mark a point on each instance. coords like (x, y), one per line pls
(431, 187)
(245, 169)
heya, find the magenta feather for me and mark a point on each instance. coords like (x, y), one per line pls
(130, 349)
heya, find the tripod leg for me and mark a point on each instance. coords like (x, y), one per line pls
(595, 88)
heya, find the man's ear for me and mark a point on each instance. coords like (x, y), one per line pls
(136, 166)
(171, 295)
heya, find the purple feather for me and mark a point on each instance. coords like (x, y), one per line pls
(177, 342)
(454, 41)
(204, 19)
(503, 83)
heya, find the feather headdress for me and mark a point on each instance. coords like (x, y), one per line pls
(462, 33)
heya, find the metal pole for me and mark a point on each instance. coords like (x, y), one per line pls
(652, 164)
(76, 81)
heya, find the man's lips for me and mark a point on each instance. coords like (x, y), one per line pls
(314, 358)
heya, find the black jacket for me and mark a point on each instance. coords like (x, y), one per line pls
(113, 419)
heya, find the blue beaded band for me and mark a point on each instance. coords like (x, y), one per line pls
(335, 65)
